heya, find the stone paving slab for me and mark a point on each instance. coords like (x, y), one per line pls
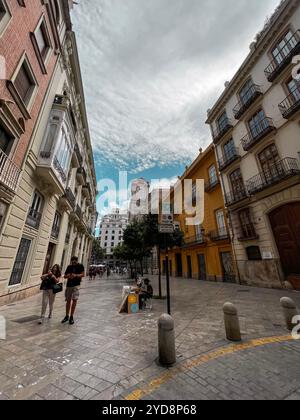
(106, 355)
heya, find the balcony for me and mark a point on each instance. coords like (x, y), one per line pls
(228, 158)
(81, 176)
(55, 232)
(284, 57)
(276, 173)
(194, 240)
(9, 172)
(291, 104)
(78, 212)
(248, 233)
(219, 235)
(86, 191)
(234, 197)
(70, 197)
(221, 131)
(211, 185)
(250, 97)
(50, 170)
(77, 156)
(257, 133)
(33, 218)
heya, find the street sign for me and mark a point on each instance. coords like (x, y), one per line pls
(166, 219)
(166, 228)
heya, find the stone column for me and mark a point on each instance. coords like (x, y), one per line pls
(61, 237)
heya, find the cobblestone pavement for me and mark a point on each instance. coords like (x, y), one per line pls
(106, 355)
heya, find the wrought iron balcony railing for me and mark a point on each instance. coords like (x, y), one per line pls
(248, 99)
(9, 172)
(78, 155)
(33, 218)
(78, 212)
(291, 104)
(70, 197)
(284, 57)
(194, 240)
(222, 130)
(228, 158)
(257, 133)
(219, 235)
(211, 184)
(234, 197)
(276, 173)
(60, 170)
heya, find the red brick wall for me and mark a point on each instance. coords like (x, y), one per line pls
(13, 43)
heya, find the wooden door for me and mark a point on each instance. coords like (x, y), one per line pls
(285, 222)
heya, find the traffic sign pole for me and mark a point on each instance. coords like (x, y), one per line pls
(168, 277)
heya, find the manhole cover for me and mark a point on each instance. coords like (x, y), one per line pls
(27, 319)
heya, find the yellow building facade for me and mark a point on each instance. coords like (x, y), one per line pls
(206, 253)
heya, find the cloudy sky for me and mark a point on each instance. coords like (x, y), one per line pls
(151, 69)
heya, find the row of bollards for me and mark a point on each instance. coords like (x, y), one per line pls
(166, 330)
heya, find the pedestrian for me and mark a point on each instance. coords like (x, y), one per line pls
(74, 274)
(49, 280)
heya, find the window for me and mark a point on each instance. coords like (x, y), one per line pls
(199, 232)
(20, 262)
(221, 224)
(222, 122)
(246, 92)
(50, 138)
(229, 149)
(284, 47)
(23, 86)
(294, 89)
(3, 208)
(247, 227)
(6, 141)
(56, 225)
(34, 214)
(237, 182)
(213, 178)
(258, 123)
(268, 158)
(253, 253)
(42, 40)
(5, 16)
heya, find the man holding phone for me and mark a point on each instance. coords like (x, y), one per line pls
(74, 274)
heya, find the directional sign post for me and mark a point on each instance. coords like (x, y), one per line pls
(166, 226)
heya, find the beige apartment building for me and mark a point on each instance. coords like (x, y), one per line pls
(51, 214)
(256, 131)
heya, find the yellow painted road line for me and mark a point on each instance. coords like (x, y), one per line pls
(224, 351)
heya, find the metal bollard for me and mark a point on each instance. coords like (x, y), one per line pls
(232, 324)
(289, 310)
(166, 341)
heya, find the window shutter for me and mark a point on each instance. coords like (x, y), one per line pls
(23, 83)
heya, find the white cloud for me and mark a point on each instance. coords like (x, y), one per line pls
(151, 69)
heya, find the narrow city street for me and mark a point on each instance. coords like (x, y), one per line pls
(107, 355)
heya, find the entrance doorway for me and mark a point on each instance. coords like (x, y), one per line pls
(202, 267)
(178, 265)
(189, 267)
(285, 222)
(49, 258)
(227, 267)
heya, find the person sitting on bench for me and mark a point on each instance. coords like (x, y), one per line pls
(146, 293)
